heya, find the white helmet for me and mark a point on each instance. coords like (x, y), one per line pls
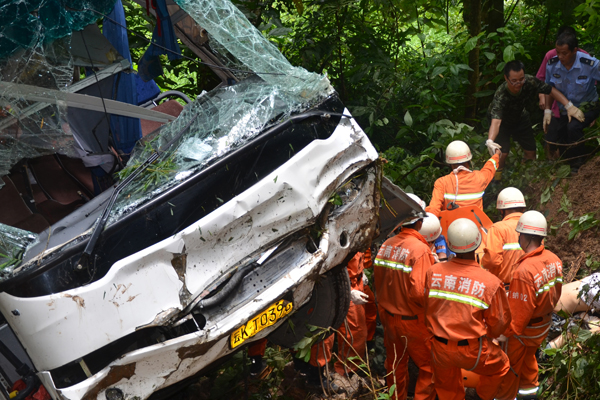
(533, 223)
(458, 152)
(510, 197)
(420, 202)
(463, 236)
(431, 229)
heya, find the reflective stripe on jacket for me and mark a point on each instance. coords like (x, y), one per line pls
(464, 301)
(399, 272)
(471, 187)
(534, 291)
(502, 249)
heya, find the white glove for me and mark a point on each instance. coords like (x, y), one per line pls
(365, 280)
(574, 112)
(359, 297)
(501, 338)
(492, 147)
(547, 119)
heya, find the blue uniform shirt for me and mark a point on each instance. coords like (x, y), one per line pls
(578, 83)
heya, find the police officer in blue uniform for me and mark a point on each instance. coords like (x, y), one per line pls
(574, 73)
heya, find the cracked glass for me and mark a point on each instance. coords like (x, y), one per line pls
(13, 243)
(37, 67)
(35, 52)
(227, 117)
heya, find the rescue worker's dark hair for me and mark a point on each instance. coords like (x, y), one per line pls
(535, 238)
(569, 39)
(514, 65)
(514, 210)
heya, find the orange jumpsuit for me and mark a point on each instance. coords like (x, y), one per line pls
(471, 187)
(355, 341)
(502, 249)
(371, 306)
(399, 271)
(466, 307)
(534, 291)
(257, 348)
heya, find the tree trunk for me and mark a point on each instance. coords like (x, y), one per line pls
(493, 15)
(472, 18)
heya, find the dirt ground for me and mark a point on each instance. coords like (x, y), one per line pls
(583, 194)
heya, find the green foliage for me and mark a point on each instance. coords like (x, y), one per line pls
(498, 48)
(572, 371)
(226, 382)
(416, 173)
(562, 172)
(335, 199)
(583, 223)
(186, 74)
(8, 260)
(389, 395)
(268, 387)
(304, 345)
(155, 174)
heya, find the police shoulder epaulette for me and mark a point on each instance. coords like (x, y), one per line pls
(587, 61)
(553, 60)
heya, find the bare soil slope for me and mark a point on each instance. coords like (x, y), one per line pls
(583, 194)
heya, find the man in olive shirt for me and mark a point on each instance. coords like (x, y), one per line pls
(508, 115)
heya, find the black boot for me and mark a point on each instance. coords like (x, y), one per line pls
(257, 365)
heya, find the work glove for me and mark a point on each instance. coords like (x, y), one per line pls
(365, 280)
(492, 147)
(574, 112)
(359, 297)
(547, 119)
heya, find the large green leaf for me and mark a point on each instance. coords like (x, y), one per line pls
(509, 53)
(408, 118)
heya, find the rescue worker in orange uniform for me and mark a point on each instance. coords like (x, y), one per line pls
(371, 306)
(534, 292)
(399, 274)
(502, 249)
(463, 187)
(431, 230)
(256, 353)
(466, 307)
(355, 341)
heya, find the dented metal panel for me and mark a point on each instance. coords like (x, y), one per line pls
(62, 327)
(128, 297)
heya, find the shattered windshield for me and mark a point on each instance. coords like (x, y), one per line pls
(39, 75)
(222, 120)
(35, 44)
(13, 243)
